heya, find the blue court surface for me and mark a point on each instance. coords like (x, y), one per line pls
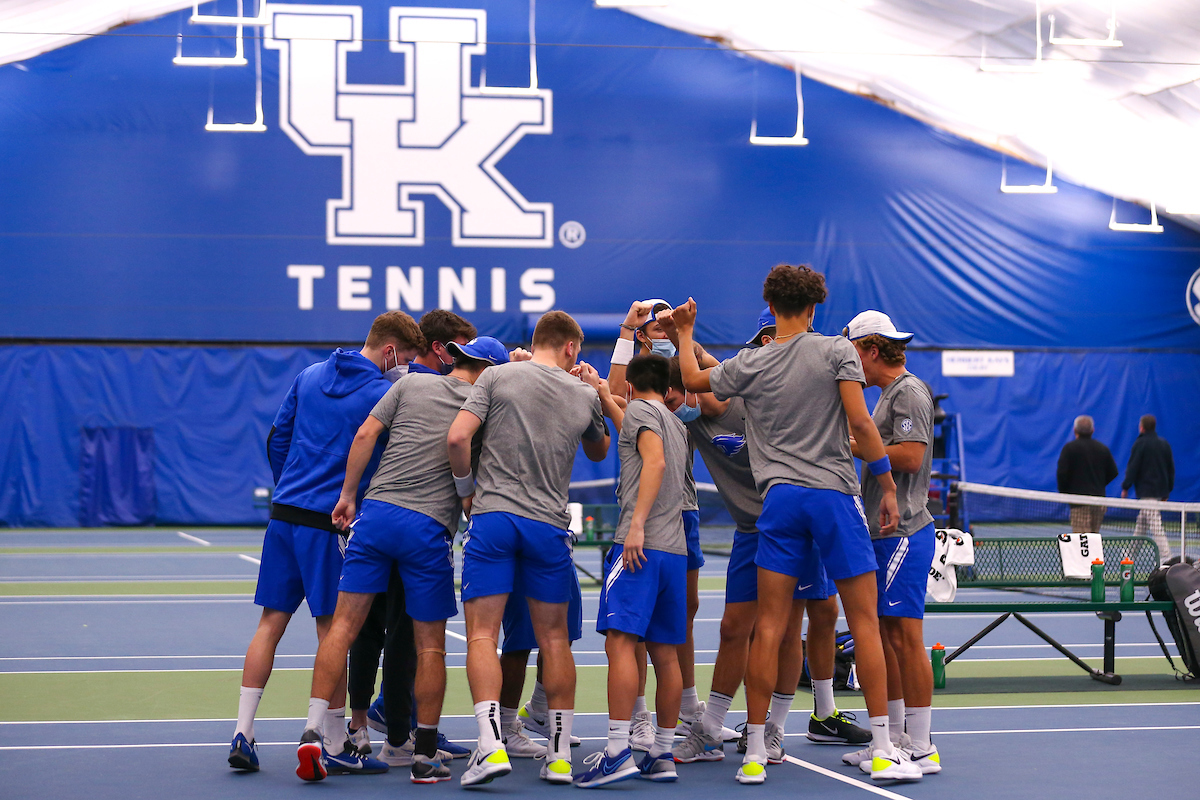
(116, 693)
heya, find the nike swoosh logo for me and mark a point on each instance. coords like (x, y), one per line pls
(890, 603)
(610, 768)
(355, 764)
(802, 588)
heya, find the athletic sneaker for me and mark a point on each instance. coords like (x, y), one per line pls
(660, 768)
(773, 735)
(444, 745)
(539, 725)
(894, 766)
(556, 770)
(311, 755)
(428, 770)
(350, 762)
(375, 716)
(930, 762)
(519, 745)
(864, 762)
(838, 728)
(604, 769)
(751, 771)
(641, 732)
(486, 768)
(360, 738)
(402, 756)
(243, 755)
(685, 725)
(698, 746)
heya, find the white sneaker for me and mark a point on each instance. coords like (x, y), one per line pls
(902, 744)
(930, 761)
(361, 739)
(698, 746)
(519, 745)
(402, 756)
(484, 768)
(684, 726)
(893, 766)
(536, 722)
(859, 757)
(641, 732)
(556, 770)
(751, 771)
(774, 740)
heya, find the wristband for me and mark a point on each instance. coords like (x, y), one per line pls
(622, 352)
(877, 467)
(465, 486)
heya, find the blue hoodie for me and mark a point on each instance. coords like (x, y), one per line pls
(313, 431)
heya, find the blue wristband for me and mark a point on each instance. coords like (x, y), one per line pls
(881, 466)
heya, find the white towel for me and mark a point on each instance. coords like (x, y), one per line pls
(961, 550)
(1078, 550)
(942, 585)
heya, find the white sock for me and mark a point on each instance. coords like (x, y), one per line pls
(880, 738)
(689, 704)
(664, 739)
(247, 708)
(781, 704)
(824, 705)
(334, 732)
(487, 714)
(756, 743)
(508, 718)
(618, 736)
(560, 721)
(639, 705)
(714, 713)
(317, 709)
(538, 701)
(896, 719)
(916, 724)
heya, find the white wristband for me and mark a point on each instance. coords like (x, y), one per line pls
(465, 486)
(622, 352)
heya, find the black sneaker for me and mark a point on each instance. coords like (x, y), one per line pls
(428, 770)
(311, 755)
(837, 729)
(741, 744)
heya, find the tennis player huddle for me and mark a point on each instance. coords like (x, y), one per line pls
(495, 437)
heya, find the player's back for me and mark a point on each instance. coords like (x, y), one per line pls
(664, 525)
(721, 442)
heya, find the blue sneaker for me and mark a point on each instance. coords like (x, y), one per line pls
(243, 755)
(375, 716)
(659, 768)
(351, 762)
(447, 746)
(605, 769)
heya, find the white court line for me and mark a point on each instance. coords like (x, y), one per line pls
(455, 635)
(251, 559)
(1077, 730)
(837, 776)
(195, 539)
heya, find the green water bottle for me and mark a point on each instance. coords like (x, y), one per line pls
(1127, 580)
(589, 529)
(1097, 581)
(937, 655)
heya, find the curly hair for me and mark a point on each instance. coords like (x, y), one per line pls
(398, 327)
(890, 350)
(440, 325)
(790, 290)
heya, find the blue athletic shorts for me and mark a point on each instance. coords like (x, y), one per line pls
(299, 562)
(741, 577)
(691, 530)
(650, 602)
(905, 572)
(498, 544)
(518, 627)
(419, 546)
(798, 524)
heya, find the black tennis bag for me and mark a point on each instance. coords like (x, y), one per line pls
(1178, 581)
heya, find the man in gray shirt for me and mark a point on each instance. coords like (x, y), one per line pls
(408, 519)
(803, 394)
(904, 417)
(534, 414)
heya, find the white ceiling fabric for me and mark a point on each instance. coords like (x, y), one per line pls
(32, 27)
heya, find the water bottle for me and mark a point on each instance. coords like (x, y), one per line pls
(1097, 581)
(1127, 580)
(589, 529)
(938, 656)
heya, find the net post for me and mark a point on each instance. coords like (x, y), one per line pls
(1182, 534)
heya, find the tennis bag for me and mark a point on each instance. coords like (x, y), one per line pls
(844, 674)
(1178, 581)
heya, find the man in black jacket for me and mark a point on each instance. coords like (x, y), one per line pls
(1151, 472)
(1085, 466)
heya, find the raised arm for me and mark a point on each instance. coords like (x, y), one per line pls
(695, 378)
(360, 455)
(871, 450)
(639, 312)
(654, 466)
(667, 320)
(594, 449)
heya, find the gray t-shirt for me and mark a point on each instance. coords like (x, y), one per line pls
(796, 426)
(721, 442)
(904, 413)
(533, 419)
(414, 471)
(664, 526)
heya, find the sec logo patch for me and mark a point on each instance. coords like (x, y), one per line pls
(906, 425)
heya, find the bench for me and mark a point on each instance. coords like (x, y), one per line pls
(1019, 563)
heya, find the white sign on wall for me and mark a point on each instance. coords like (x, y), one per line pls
(977, 363)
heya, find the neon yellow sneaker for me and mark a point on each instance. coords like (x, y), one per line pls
(484, 768)
(751, 771)
(893, 766)
(556, 770)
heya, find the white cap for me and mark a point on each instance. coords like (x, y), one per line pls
(874, 322)
(656, 304)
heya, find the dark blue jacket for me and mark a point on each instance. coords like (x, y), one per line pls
(313, 431)
(1151, 468)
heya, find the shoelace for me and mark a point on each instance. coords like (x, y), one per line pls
(594, 758)
(845, 716)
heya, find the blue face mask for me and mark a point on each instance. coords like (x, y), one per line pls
(687, 413)
(662, 347)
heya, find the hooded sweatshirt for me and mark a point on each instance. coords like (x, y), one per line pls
(312, 434)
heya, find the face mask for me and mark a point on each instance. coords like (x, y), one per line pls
(395, 373)
(443, 367)
(687, 413)
(662, 347)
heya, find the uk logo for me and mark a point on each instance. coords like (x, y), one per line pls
(434, 134)
(1193, 297)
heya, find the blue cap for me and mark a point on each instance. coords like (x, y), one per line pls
(481, 348)
(765, 320)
